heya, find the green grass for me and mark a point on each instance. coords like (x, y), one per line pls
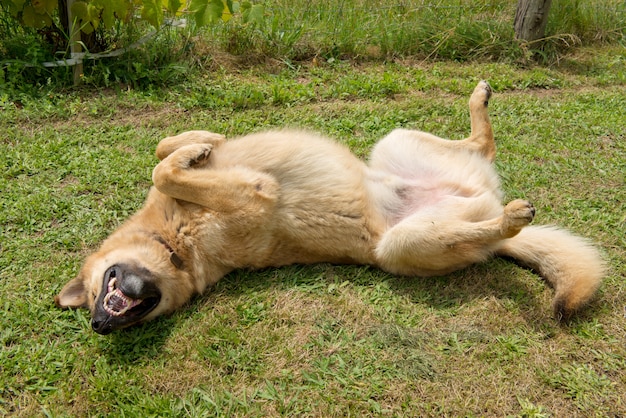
(302, 31)
(457, 30)
(317, 340)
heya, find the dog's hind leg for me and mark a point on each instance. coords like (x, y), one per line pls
(398, 152)
(481, 137)
(172, 143)
(424, 245)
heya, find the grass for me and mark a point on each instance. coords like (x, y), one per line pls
(297, 31)
(317, 340)
(457, 30)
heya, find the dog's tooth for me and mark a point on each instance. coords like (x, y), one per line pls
(111, 286)
(117, 303)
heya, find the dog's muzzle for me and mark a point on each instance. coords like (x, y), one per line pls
(128, 294)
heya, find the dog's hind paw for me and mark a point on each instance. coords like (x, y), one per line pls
(481, 94)
(517, 214)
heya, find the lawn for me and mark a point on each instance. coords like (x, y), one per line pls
(319, 340)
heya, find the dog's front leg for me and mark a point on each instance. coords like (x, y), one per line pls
(186, 175)
(172, 143)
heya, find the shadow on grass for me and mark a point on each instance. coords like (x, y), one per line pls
(517, 288)
(137, 343)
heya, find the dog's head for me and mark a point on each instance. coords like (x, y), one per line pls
(127, 283)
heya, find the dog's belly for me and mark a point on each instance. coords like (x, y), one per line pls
(446, 201)
(412, 172)
(435, 193)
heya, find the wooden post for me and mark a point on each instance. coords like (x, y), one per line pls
(531, 18)
(75, 47)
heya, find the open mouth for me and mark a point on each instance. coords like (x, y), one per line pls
(118, 304)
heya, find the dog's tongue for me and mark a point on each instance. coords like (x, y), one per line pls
(117, 303)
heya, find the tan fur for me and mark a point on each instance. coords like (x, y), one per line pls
(423, 206)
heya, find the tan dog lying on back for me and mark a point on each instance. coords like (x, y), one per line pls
(423, 206)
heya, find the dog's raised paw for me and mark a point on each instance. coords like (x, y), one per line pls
(517, 214)
(520, 211)
(194, 155)
(202, 156)
(482, 93)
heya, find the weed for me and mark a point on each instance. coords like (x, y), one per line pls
(581, 383)
(530, 410)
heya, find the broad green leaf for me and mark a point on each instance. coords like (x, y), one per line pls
(112, 10)
(18, 3)
(33, 19)
(152, 12)
(227, 11)
(45, 21)
(120, 8)
(94, 15)
(252, 13)
(16, 6)
(44, 6)
(174, 6)
(51, 6)
(86, 28)
(108, 17)
(28, 16)
(79, 9)
(88, 15)
(39, 6)
(216, 9)
(226, 15)
(206, 11)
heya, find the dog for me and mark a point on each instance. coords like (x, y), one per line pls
(423, 206)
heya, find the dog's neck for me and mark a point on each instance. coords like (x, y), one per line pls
(174, 258)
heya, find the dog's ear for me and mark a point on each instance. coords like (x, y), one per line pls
(73, 294)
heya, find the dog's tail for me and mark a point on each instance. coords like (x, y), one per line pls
(570, 264)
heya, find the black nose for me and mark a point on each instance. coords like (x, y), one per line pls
(101, 327)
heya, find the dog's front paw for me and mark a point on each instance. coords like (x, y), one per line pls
(194, 155)
(517, 214)
(202, 155)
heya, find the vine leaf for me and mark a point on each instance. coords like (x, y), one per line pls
(88, 16)
(174, 6)
(252, 13)
(152, 12)
(112, 10)
(16, 6)
(92, 14)
(209, 11)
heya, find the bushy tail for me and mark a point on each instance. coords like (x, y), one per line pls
(569, 263)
